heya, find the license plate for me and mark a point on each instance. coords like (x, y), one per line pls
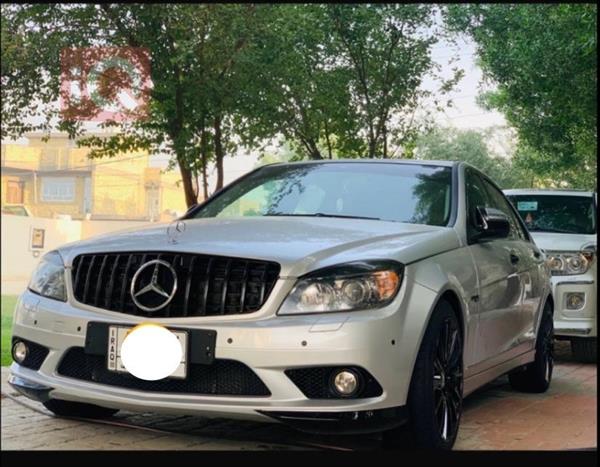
(116, 336)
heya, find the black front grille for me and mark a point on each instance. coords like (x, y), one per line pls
(206, 285)
(36, 354)
(316, 382)
(222, 377)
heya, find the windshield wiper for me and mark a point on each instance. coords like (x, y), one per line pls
(321, 214)
(548, 229)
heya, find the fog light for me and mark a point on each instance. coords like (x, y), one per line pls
(345, 382)
(575, 301)
(19, 351)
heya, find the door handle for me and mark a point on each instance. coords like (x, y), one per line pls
(514, 259)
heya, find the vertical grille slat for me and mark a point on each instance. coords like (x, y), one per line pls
(124, 284)
(77, 267)
(207, 285)
(188, 285)
(224, 291)
(100, 277)
(263, 284)
(86, 287)
(170, 305)
(244, 284)
(111, 283)
(203, 309)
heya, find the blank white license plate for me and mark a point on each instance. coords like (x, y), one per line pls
(116, 336)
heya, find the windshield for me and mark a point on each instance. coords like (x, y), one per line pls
(557, 213)
(384, 191)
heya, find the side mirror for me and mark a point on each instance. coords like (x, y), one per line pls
(492, 223)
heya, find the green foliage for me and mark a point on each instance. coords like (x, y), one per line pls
(8, 306)
(386, 49)
(471, 146)
(543, 59)
(331, 80)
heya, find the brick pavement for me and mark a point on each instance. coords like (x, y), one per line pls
(495, 417)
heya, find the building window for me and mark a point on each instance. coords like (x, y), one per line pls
(60, 190)
(14, 192)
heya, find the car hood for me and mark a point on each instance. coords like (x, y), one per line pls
(549, 241)
(299, 245)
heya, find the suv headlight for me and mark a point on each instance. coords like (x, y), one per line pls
(346, 287)
(569, 262)
(48, 279)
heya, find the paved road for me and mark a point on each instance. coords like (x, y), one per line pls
(495, 417)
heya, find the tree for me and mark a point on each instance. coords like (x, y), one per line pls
(471, 146)
(194, 49)
(542, 57)
(344, 80)
(298, 90)
(387, 50)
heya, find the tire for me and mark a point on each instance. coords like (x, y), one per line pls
(78, 409)
(436, 389)
(585, 350)
(536, 376)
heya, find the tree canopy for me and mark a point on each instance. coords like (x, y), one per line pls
(326, 80)
(473, 147)
(542, 57)
(330, 79)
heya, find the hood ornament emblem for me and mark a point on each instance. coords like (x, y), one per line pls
(175, 230)
(148, 274)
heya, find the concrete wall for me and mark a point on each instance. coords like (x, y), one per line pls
(19, 260)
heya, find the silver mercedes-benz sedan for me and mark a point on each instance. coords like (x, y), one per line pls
(337, 297)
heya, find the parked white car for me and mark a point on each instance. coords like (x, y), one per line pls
(564, 225)
(340, 296)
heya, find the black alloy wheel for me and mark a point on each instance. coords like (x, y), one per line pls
(448, 380)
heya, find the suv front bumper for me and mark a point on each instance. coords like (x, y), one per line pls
(575, 323)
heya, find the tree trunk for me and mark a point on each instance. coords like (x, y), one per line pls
(204, 156)
(385, 148)
(329, 149)
(219, 152)
(188, 186)
(372, 146)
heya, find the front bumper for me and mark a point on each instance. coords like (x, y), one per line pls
(575, 323)
(382, 342)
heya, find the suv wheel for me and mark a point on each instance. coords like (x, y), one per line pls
(78, 409)
(536, 376)
(585, 349)
(435, 395)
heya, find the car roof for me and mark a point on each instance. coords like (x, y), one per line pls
(548, 191)
(373, 161)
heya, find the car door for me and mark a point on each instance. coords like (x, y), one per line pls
(500, 290)
(529, 264)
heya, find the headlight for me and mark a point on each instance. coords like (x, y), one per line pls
(48, 279)
(346, 287)
(569, 263)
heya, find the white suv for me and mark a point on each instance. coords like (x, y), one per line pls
(343, 296)
(564, 224)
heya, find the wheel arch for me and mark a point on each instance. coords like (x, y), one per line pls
(451, 296)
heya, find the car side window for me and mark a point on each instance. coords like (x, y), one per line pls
(476, 196)
(501, 203)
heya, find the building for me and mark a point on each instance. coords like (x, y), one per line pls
(55, 178)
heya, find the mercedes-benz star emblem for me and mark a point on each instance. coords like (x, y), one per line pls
(146, 291)
(174, 230)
